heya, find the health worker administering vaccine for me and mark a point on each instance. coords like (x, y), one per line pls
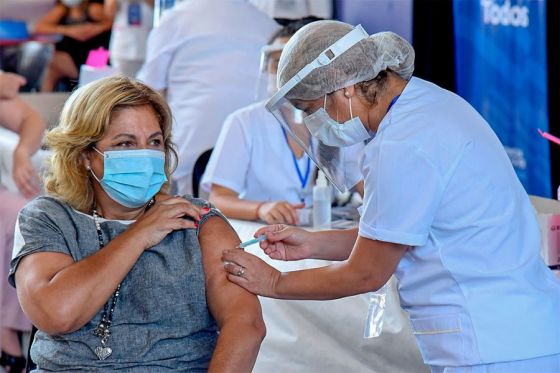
(443, 208)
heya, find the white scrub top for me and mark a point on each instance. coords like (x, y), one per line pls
(438, 179)
(131, 27)
(205, 53)
(253, 159)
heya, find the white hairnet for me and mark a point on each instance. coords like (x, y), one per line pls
(362, 62)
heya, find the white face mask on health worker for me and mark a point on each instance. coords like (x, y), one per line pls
(332, 133)
(71, 3)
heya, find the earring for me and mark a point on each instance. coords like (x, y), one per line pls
(346, 94)
(88, 167)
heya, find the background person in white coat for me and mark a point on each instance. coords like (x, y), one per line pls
(443, 209)
(132, 22)
(251, 141)
(205, 56)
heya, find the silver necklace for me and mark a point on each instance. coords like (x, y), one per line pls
(102, 330)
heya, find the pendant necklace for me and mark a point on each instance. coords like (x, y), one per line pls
(102, 330)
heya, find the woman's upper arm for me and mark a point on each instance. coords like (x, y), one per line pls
(33, 273)
(110, 7)
(225, 299)
(97, 12)
(52, 18)
(12, 113)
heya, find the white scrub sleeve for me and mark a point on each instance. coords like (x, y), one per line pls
(403, 189)
(231, 157)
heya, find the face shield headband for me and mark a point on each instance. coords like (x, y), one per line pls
(329, 159)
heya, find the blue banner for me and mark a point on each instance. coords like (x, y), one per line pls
(502, 72)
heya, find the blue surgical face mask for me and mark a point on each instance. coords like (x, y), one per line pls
(132, 177)
(332, 133)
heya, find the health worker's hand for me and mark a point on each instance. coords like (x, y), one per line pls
(285, 242)
(279, 212)
(166, 215)
(250, 272)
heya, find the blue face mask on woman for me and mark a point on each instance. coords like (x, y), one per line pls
(132, 177)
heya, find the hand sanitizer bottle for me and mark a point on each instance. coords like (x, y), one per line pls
(321, 202)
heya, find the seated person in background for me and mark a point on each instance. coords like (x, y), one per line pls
(235, 176)
(84, 26)
(114, 272)
(18, 117)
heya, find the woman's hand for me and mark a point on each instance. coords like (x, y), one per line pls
(279, 212)
(286, 243)
(24, 174)
(250, 272)
(166, 215)
(80, 32)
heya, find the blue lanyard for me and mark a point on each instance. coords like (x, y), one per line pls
(302, 179)
(393, 102)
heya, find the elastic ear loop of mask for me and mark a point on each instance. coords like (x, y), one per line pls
(91, 168)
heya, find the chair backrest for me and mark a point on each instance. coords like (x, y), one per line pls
(198, 171)
(30, 363)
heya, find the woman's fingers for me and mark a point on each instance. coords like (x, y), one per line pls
(178, 207)
(181, 223)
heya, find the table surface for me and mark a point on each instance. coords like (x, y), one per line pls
(327, 336)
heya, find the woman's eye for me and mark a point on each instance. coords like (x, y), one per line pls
(124, 144)
(157, 142)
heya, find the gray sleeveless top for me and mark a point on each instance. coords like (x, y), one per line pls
(160, 322)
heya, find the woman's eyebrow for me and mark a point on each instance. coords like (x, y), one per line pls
(156, 134)
(125, 135)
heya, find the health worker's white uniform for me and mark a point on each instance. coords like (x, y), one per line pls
(205, 54)
(253, 159)
(476, 290)
(131, 27)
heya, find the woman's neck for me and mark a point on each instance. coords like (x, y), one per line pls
(395, 86)
(109, 209)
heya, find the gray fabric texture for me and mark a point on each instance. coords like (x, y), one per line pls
(161, 321)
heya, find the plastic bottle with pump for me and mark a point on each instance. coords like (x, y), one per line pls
(321, 201)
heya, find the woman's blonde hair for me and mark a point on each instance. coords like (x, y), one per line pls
(84, 120)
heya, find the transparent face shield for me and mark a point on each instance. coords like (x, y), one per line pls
(331, 160)
(266, 82)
